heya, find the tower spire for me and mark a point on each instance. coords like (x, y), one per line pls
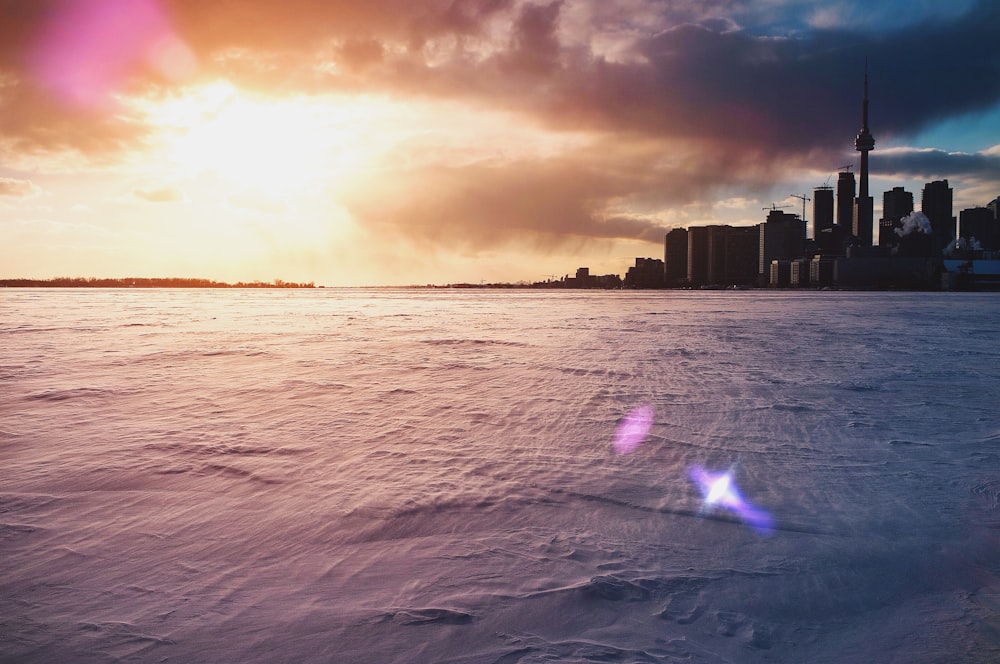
(864, 143)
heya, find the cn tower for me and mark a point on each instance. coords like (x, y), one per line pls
(864, 143)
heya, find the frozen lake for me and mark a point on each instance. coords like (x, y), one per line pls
(428, 476)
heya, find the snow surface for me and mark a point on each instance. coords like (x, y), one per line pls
(429, 476)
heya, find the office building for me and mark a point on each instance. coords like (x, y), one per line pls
(896, 204)
(697, 262)
(675, 257)
(647, 273)
(845, 200)
(979, 229)
(782, 238)
(822, 211)
(936, 203)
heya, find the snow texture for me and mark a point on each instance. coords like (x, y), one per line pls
(429, 476)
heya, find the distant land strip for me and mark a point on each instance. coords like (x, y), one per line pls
(145, 282)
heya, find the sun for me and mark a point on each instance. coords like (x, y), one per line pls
(270, 146)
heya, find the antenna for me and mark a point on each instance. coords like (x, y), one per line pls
(804, 199)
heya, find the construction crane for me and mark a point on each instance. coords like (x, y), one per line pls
(774, 207)
(804, 199)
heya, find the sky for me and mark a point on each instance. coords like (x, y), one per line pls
(399, 142)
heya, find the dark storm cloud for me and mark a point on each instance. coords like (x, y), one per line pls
(936, 163)
(737, 105)
(541, 203)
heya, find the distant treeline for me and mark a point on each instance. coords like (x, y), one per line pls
(144, 282)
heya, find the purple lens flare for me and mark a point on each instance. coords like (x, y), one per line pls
(633, 429)
(719, 489)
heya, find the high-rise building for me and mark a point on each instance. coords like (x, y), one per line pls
(823, 218)
(864, 143)
(994, 206)
(697, 262)
(845, 200)
(716, 253)
(896, 204)
(936, 203)
(742, 245)
(675, 257)
(782, 237)
(822, 210)
(979, 228)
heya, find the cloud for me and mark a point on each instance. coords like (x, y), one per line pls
(931, 162)
(18, 188)
(680, 101)
(609, 189)
(159, 195)
(683, 69)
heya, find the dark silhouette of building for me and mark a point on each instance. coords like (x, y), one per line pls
(647, 273)
(845, 199)
(782, 238)
(716, 254)
(979, 228)
(822, 214)
(722, 255)
(697, 262)
(896, 204)
(732, 255)
(742, 244)
(994, 205)
(675, 257)
(584, 279)
(936, 203)
(864, 143)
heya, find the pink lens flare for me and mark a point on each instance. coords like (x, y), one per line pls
(633, 429)
(720, 489)
(88, 48)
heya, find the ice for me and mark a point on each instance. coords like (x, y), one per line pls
(431, 476)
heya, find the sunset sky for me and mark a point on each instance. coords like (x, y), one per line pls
(393, 142)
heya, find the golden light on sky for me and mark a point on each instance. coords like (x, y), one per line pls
(434, 141)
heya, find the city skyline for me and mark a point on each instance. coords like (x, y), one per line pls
(436, 142)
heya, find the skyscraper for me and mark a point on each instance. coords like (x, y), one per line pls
(675, 257)
(845, 200)
(822, 210)
(896, 204)
(864, 143)
(936, 203)
(697, 262)
(980, 228)
(782, 237)
(823, 217)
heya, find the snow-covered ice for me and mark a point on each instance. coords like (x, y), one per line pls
(431, 476)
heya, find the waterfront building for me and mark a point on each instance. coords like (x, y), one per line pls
(782, 237)
(896, 204)
(675, 257)
(936, 203)
(697, 262)
(845, 199)
(979, 228)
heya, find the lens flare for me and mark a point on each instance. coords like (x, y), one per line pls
(88, 48)
(633, 429)
(719, 489)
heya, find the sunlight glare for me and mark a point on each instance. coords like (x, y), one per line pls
(276, 147)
